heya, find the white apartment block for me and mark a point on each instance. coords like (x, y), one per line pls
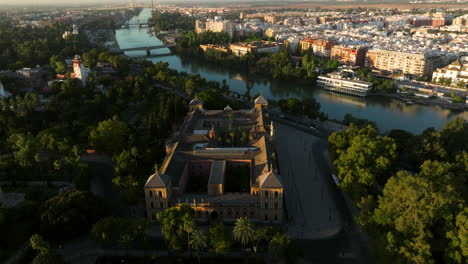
(407, 63)
(214, 25)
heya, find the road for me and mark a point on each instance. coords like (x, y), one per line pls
(318, 215)
(310, 201)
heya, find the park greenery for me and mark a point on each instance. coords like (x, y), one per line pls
(45, 255)
(379, 84)
(410, 189)
(279, 66)
(167, 21)
(28, 47)
(119, 232)
(308, 107)
(182, 233)
(124, 117)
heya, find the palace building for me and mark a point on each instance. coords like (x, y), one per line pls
(222, 164)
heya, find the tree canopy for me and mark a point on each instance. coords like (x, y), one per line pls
(70, 213)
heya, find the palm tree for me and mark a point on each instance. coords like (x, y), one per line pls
(189, 226)
(198, 242)
(244, 231)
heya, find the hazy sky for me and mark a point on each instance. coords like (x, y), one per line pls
(74, 2)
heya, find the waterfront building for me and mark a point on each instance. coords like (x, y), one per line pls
(455, 72)
(422, 63)
(338, 82)
(221, 163)
(241, 48)
(217, 24)
(320, 47)
(218, 47)
(349, 55)
(80, 71)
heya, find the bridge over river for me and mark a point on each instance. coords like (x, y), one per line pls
(147, 48)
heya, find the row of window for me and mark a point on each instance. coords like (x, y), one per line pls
(151, 194)
(276, 194)
(275, 217)
(276, 205)
(161, 205)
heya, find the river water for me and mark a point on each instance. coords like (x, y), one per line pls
(386, 112)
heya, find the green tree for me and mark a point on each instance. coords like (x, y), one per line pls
(188, 226)
(57, 63)
(283, 248)
(110, 136)
(198, 242)
(45, 255)
(24, 147)
(366, 163)
(262, 237)
(415, 211)
(244, 231)
(172, 224)
(461, 84)
(190, 87)
(38, 243)
(457, 250)
(110, 230)
(220, 239)
(70, 213)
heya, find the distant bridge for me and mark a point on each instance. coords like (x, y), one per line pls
(148, 49)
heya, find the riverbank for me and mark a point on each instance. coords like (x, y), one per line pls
(422, 101)
(387, 112)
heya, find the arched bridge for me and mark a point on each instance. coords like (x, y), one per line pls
(148, 49)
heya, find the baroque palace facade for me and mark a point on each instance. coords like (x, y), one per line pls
(222, 164)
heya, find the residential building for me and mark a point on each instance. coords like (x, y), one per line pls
(214, 25)
(223, 174)
(271, 19)
(241, 48)
(218, 47)
(408, 63)
(349, 55)
(460, 21)
(338, 82)
(455, 72)
(320, 47)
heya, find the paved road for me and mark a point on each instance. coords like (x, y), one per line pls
(318, 214)
(310, 201)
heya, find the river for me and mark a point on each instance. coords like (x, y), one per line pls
(386, 112)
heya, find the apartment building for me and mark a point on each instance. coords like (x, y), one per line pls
(214, 25)
(407, 63)
(456, 71)
(240, 48)
(460, 21)
(218, 47)
(320, 47)
(349, 55)
(271, 19)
